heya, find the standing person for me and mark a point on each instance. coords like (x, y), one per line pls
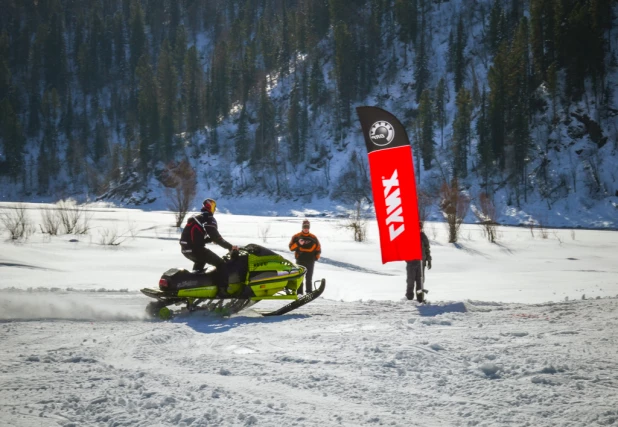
(202, 229)
(307, 250)
(415, 270)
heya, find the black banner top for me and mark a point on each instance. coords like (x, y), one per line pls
(381, 129)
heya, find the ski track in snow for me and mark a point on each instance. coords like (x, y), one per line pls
(329, 363)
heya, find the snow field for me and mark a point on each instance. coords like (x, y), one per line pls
(519, 333)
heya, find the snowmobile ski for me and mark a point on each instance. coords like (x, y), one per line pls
(305, 299)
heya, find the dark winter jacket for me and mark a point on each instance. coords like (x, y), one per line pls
(425, 248)
(308, 250)
(201, 229)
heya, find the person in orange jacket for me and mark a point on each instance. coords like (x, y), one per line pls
(307, 250)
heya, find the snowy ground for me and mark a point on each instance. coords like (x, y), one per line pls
(524, 332)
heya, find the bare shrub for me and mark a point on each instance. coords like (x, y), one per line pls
(180, 182)
(542, 230)
(425, 200)
(52, 222)
(70, 213)
(111, 237)
(454, 204)
(264, 232)
(357, 223)
(84, 226)
(132, 229)
(486, 214)
(17, 222)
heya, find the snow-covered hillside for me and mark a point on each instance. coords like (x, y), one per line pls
(519, 333)
(572, 163)
(570, 175)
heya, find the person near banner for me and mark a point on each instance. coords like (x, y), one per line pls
(415, 270)
(202, 229)
(307, 250)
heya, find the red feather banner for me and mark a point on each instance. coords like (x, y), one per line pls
(392, 183)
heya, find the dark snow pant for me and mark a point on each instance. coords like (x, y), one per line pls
(414, 273)
(308, 282)
(203, 256)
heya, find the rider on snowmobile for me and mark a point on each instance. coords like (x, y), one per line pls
(202, 229)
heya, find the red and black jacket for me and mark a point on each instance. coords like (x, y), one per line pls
(201, 229)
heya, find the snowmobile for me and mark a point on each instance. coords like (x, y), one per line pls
(255, 274)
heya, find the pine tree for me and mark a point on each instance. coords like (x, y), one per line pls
(450, 53)
(68, 118)
(191, 91)
(50, 110)
(552, 86)
(100, 139)
(265, 135)
(43, 173)
(94, 45)
(148, 113)
(316, 85)
(537, 37)
(345, 70)
(484, 147)
(242, 137)
(459, 61)
(167, 94)
(12, 139)
(421, 72)
(180, 49)
(406, 14)
(440, 104)
(286, 50)
(296, 151)
(519, 94)
(498, 31)
(213, 141)
(5, 78)
(55, 54)
(497, 77)
(219, 83)
(461, 133)
(426, 123)
(137, 41)
(119, 45)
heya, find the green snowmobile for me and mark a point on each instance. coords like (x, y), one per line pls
(255, 274)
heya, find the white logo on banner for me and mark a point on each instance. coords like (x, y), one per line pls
(392, 196)
(381, 133)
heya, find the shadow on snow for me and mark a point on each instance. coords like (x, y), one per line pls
(435, 310)
(210, 324)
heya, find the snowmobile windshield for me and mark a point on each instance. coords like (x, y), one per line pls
(258, 250)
